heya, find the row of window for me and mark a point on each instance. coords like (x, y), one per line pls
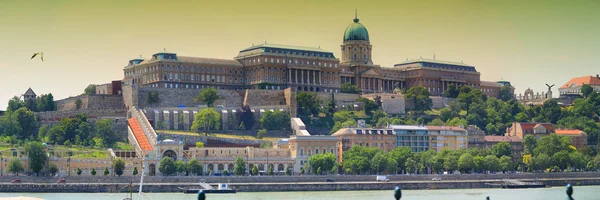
(298, 62)
(316, 151)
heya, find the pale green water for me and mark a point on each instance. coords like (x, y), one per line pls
(581, 193)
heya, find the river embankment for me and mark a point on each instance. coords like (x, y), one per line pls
(287, 183)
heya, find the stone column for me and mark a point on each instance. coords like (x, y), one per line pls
(302, 76)
(320, 77)
(289, 76)
(225, 120)
(167, 116)
(157, 121)
(175, 120)
(186, 120)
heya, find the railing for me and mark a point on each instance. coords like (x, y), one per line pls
(145, 124)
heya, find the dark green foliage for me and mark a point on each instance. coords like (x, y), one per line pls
(452, 91)
(247, 117)
(90, 89)
(322, 161)
(118, 165)
(369, 105)
(93, 172)
(167, 166)
(194, 167)
(239, 169)
(207, 96)
(349, 88)
(37, 156)
(308, 104)
(420, 96)
(152, 98)
(277, 120)
(106, 172)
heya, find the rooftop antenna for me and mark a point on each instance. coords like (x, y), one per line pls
(434, 54)
(355, 16)
(265, 42)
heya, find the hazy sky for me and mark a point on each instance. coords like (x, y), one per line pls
(526, 42)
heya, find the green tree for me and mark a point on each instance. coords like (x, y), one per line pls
(421, 99)
(551, 111)
(302, 171)
(90, 89)
(239, 169)
(379, 163)
(152, 98)
(552, 144)
(15, 166)
(530, 143)
(578, 161)
(180, 167)
(522, 117)
(349, 88)
(288, 171)
(254, 170)
(37, 156)
(118, 165)
(561, 159)
(324, 161)
(450, 163)
(135, 171)
(377, 115)
(369, 105)
(492, 163)
(479, 162)
(207, 118)
(270, 170)
(194, 167)
(260, 134)
(14, 104)
(167, 166)
(452, 91)
(106, 172)
(308, 104)
(266, 145)
(78, 103)
(436, 122)
(466, 162)
(104, 131)
(199, 144)
(542, 161)
(586, 90)
(506, 163)
(410, 165)
(342, 118)
(330, 107)
(79, 172)
(502, 149)
(277, 120)
(53, 169)
(447, 114)
(28, 122)
(207, 96)
(506, 93)
(93, 172)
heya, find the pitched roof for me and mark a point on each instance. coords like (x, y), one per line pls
(579, 81)
(343, 131)
(29, 92)
(568, 132)
(281, 46)
(529, 126)
(490, 84)
(502, 139)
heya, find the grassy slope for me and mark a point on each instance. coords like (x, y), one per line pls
(220, 135)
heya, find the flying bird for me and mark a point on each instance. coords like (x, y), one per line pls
(41, 55)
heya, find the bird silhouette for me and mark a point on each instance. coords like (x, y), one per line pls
(41, 54)
(549, 86)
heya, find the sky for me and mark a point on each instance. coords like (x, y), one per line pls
(528, 43)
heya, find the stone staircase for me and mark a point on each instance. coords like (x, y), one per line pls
(141, 135)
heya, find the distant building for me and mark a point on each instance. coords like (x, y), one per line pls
(476, 137)
(521, 130)
(573, 87)
(113, 88)
(29, 95)
(516, 144)
(578, 138)
(447, 137)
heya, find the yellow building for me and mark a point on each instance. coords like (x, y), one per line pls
(447, 137)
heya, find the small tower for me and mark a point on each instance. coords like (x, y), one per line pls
(356, 48)
(29, 95)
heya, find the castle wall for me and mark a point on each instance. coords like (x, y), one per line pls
(177, 97)
(97, 101)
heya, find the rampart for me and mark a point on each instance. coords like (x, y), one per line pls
(96, 101)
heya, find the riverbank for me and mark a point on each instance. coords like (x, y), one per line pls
(283, 186)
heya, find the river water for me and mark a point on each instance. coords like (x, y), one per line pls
(558, 193)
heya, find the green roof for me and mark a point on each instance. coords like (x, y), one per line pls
(281, 46)
(356, 31)
(420, 60)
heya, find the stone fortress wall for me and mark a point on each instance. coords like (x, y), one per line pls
(95, 101)
(118, 118)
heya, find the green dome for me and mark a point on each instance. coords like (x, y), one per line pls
(356, 31)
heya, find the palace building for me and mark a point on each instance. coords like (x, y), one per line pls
(276, 67)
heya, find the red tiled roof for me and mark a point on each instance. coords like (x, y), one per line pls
(579, 81)
(502, 139)
(530, 126)
(568, 132)
(139, 134)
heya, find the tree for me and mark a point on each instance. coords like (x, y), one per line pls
(452, 91)
(90, 89)
(180, 167)
(270, 170)
(349, 88)
(53, 169)
(450, 163)
(302, 171)
(377, 115)
(167, 166)
(466, 162)
(135, 171)
(308, 104)
(276, 120)
(14, 104)
(420, 96)
(586, 90)
(324, 161)
(118, 165)
(79, 172)
(502, 149)
(561, 159)
(194, 167)
(199, 144)
(247, 117)
(207, 96)
(254, 170)
(506, 163)
(207, 118)
(93, 172)
(260, 134)
(239, 168)
(153, 98)
(288, 171)
(104, 131)
(266, 145)
(28, 122)
(552, 144)
(37, 156)
(436, 122)
(530, 143)
(15, 166)
(106, 172)
(506, 93)
(410, 165)
(78, 103)
(369, 105)
(379, 163)
(492, 163)
(479, 162)
(522, 117)
(330, 107)
(342, 118)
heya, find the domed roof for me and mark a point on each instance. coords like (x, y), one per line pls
(356, 31)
